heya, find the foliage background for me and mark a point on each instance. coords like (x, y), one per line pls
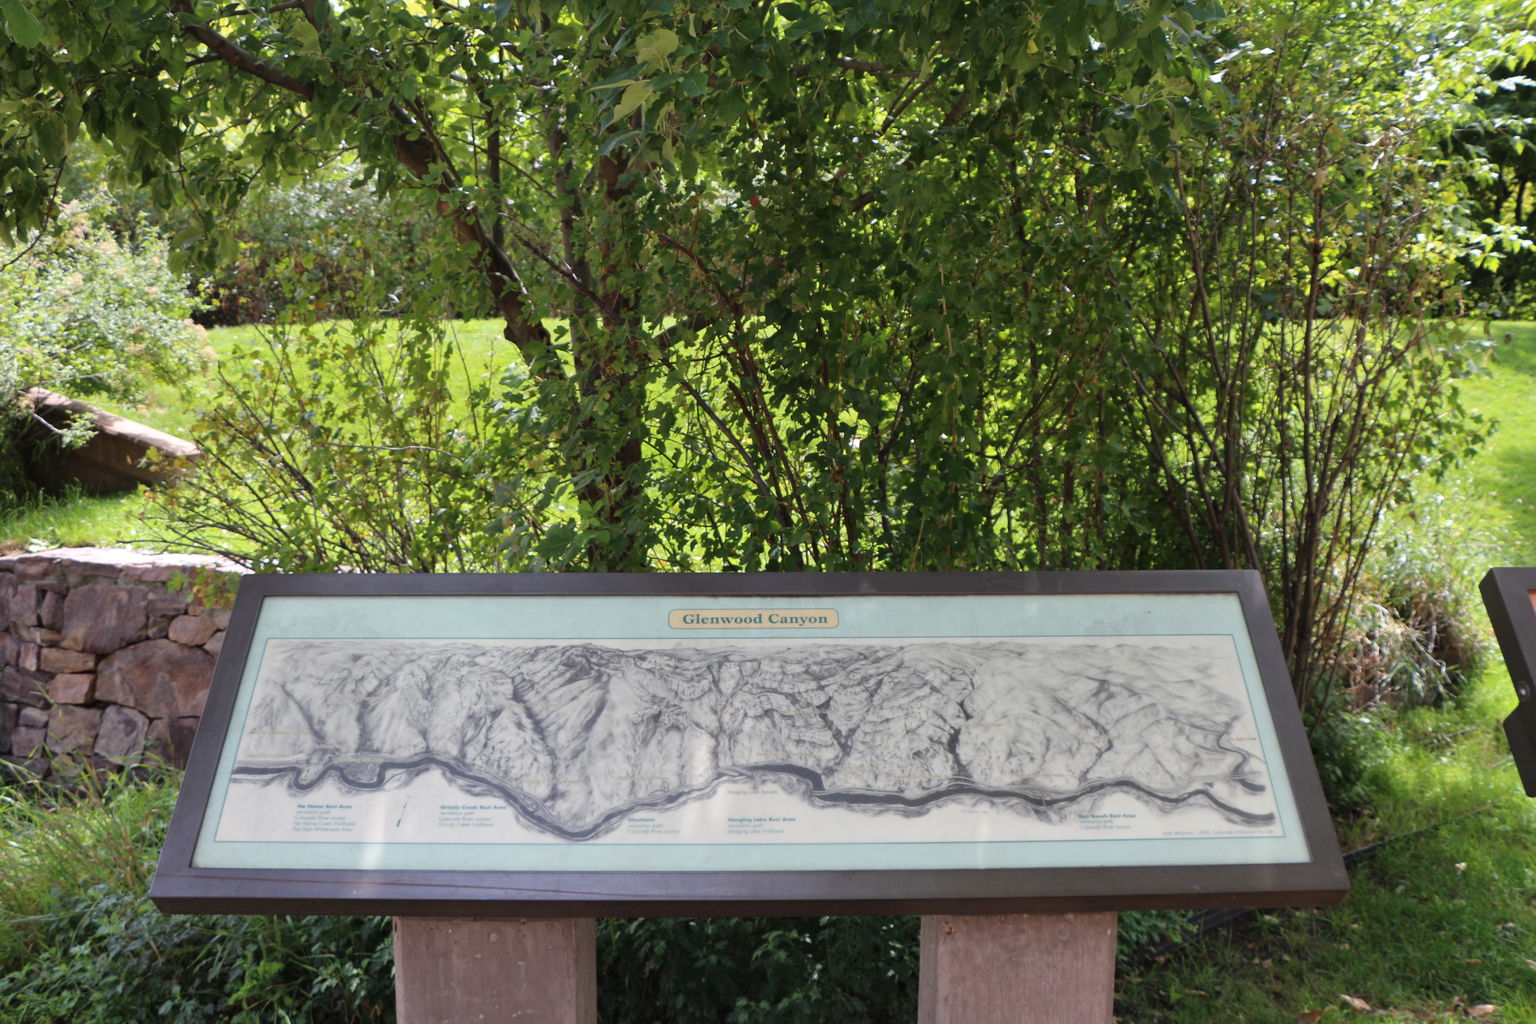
(846, 285)
(89, 311)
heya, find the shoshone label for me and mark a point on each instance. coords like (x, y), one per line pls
(752, 618)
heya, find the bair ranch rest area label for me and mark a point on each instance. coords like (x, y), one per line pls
(753, 618)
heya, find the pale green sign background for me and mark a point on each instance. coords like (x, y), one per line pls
(274, 826)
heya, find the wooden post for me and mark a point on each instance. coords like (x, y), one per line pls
(1018, 969)
(460, 970)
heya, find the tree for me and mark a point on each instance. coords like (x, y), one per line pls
(858, 284)
(1502, 260)
(665, 186)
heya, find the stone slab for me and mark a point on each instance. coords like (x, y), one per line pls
(23, 687)
(72, 730)
(192, 630)
(29, 568)
(22, 605)
(121, 736)
(161, 678)
(115, 456)
(34, 634)
(28, 741)
(101, 618)
(168, 606)
(170, 739)
(73, 688)
(62, 659)
(50, 614)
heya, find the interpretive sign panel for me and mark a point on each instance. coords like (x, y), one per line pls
(1510, 597)
(881, 743)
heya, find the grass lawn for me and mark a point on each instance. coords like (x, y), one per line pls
(1440, 921)
(1498, 489)
(483, 348)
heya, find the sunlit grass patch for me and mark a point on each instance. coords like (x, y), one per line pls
(1498, 487)
(75, 520)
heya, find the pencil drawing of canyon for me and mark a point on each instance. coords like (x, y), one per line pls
(577, 735)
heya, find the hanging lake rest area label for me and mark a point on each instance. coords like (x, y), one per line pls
(753, 618)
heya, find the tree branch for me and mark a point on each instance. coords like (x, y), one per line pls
(237, 56)
(868, 67)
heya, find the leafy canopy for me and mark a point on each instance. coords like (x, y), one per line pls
(845, 284)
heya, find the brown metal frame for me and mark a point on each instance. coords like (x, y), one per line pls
(180, 887)
(1507, 594)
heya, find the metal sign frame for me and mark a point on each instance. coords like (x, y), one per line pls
(194, 874)
(1509, 594)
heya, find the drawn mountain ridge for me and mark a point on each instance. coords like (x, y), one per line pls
(578, 735)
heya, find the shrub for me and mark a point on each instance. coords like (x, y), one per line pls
(108, 957)
(748, 970)
(87, 311)
(360, 447)
(1292, 376)
(327, 246)
(80, 942)
(1418, 632)
(55, 841)
(90, 313)
(1348, 748)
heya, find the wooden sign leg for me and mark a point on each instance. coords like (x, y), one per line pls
(452, 970)
(1017, 968)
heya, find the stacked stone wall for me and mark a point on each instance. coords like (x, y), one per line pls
(106, 654)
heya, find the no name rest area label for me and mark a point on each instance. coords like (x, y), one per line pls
(752, 618)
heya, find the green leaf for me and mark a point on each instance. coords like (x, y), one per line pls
(655, 47)
(49, 130)
(21, 24)
(808, 25)
(308, 39)
(635, 94)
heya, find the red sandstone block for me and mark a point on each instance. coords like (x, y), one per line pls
(61, 659)
(73, 688)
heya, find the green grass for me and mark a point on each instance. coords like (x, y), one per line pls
(1498, 489)
(77, 520)
(80, 943)
(174, 409)
(54, 842)
(1440, 918)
